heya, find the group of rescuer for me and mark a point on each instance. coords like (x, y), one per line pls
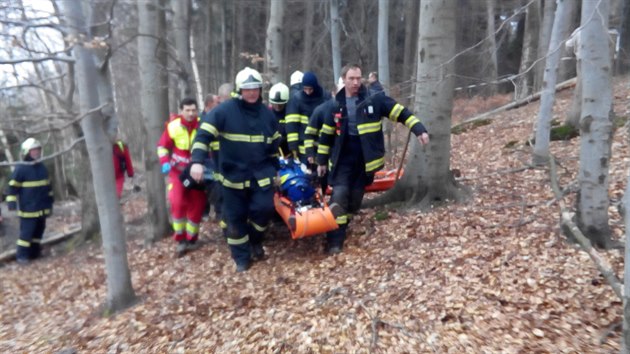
(339, 136)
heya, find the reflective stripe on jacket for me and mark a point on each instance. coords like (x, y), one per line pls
(30, 190)
(176, 141)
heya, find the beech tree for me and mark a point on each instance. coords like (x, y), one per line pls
(335, 37)
(120, 293)
(274, 62)
(154, 102)
(545, 113)
(596, 126)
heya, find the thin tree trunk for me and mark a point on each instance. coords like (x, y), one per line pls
(595, 123)
(154, 103)
(307, 54)
(492, 66)
(625, 338)
(543, 42)
(543, 126)
(274, 60)
(623, 61)
(412, 8)
(181, 33)
(525, 84)
(335, 37)
(120, 293)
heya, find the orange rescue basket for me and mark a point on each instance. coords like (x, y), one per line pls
(309, 220)
(383, 180)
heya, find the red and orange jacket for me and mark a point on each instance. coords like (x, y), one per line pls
(122, 160)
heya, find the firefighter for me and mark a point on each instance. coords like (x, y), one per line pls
(122, 164)
(248, 137)
(29, 191)
(278, 98)
(299, 110)
(295, 82)
(187, 202)
(352, 141)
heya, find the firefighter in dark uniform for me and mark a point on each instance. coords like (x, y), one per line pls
(248, 137)
(351, 139)
(278, 98)
(30, 193)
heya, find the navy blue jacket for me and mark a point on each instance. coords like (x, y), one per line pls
(370, 110)
(29, 188)
(299, 110)
(248, 143)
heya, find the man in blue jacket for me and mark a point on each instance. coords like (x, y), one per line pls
(351, 139)
(248, 137)
(29, 192)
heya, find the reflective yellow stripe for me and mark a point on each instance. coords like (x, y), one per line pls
(369, 127)
(222, 224)
(323, 149)
(215, 145)
(169, 187)
(311, 131)
(121, 145)
(309, 143)
(200, 146)
(11, 198)
(342, 219)
(284, 178)
(23, 243)
(374, 164)
(33, 214)
(292, 118)
(162, 151)
(395, 112)
(209, 128)
(304, 119)
(302, 149)
(264, 182)
(293, 137)
(244, 138)
(238, 241)
(192, 228)
(282, 121)
(180, 135)
(411, 121)
(258, 227)
(178, 225)
(327, 129)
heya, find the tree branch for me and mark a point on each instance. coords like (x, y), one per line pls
(36, 60)
(44, 158)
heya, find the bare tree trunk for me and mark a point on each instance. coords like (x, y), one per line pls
(181, 33)
(543, 42)
(120, 293)
(543, 126)
(525, 84)
(625, 337)
(595, 123)
(154, 103)
(383, 66)
(274, 60)
(428, 179)
(412, 9)
(307, 54)
(492, 66)
(335, 37)
(623, 61)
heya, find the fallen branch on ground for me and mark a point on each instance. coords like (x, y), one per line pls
(47, 240)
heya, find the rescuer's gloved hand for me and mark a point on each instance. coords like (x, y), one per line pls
(166, 167)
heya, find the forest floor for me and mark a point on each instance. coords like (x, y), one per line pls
(491, 275)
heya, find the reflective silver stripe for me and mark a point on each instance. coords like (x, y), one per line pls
(327, 129)
(244, 138)
(369, 127)
(292, 118)
(395, 112)
(258, 227)
(200, 146)
(209, 128)
(323, 149)
(374, 164)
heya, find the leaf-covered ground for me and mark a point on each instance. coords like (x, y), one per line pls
(493, 275)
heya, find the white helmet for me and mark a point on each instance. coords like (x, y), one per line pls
(28, 145)
(296, 77)
(248, 78)
(279, 94)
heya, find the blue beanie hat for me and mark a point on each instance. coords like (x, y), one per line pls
(309, 79)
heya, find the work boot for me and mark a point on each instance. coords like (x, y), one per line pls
(242, 267)
(336, 209)
(258, 252)
(192, 245)
(182, 247)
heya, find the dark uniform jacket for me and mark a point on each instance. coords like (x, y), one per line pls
(315, 122)
(248, 140)
(370, 110)
(29, 188)
(299, 110)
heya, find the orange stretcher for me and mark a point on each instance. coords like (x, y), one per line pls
(308, 220)
(383, 180)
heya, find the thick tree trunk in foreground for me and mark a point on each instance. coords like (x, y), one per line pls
(120, 293)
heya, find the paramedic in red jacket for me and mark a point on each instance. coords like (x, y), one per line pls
(187, 204)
